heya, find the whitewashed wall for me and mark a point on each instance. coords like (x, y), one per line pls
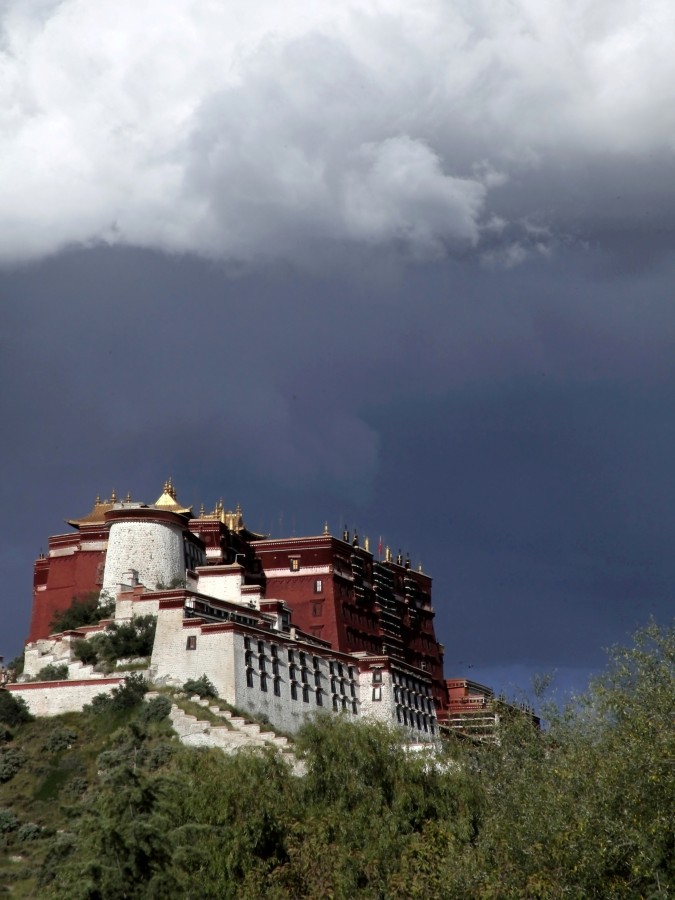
(154, 549)
(51, 698)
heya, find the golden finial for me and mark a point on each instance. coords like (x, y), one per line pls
(127, 499)
(201, 511)
(238, 509)
(325, 528)
(98, 500)
(113, 496)
(387, 554)
(366, 544)
(419, 566)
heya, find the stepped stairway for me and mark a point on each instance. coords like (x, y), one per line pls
(234, 734)
(59, 653)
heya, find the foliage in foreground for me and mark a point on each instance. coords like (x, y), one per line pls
(87, 610)
(584, 810)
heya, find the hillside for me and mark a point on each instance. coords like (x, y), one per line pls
(108, 804)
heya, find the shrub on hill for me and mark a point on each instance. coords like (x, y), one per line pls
(87, 610)
(8, 821)
(125, 696)
(13, 710)
(85, 651)
(60, 739)
(52, 673)
(29, 831)
(10, 763)
(200, 686)
(119, 641)
(155, 710)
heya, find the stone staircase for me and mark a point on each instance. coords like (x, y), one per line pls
(234, 734)
(58, 650)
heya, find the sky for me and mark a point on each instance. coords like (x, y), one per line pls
(403, 266)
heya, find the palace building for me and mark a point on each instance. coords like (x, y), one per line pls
(284, 627)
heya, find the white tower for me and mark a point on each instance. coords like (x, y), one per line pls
(149, 539)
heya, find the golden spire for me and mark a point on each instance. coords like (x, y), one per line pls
(366, 544)
(201, 511)
(419, 567)
(169, 488)
(113, 496)
(168, 500)
(128, 497)
(325, 528)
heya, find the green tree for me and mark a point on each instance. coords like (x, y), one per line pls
(121, 845)
(87, 610)
(587, 808)
(13, 710)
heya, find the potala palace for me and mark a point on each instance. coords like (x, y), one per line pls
(283, 628)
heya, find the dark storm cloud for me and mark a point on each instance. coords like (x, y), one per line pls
(511, 429)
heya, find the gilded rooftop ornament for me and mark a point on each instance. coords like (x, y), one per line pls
(168, 501)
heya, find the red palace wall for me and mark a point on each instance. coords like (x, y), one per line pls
(57, 579)
(353, 618)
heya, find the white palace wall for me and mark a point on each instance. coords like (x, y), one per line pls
(51, 698)
(154, 549)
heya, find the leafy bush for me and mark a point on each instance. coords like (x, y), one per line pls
(201, 686)
(5, 735)
(52, 673)
(29, 832)
(88, 610)
(155, 710)
(8, 821)
(59, 851)
(13, 710)
(85, 651)
(59, 739)
(125, 696)
(119, 641)
(10, 763)
(131, 639)
(111, 759)
(159, 755)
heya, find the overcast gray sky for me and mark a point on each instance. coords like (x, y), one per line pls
(407, 266)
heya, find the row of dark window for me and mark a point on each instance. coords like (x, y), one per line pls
(297, 689)
(300, 659)
(409, 698)
(411, 684)
(417, 720)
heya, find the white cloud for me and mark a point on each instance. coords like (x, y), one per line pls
(266, 130)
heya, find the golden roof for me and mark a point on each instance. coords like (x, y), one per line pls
(233, 520)
(167, 501)
(97, 514)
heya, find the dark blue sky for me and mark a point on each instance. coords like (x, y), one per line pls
(404, 268)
